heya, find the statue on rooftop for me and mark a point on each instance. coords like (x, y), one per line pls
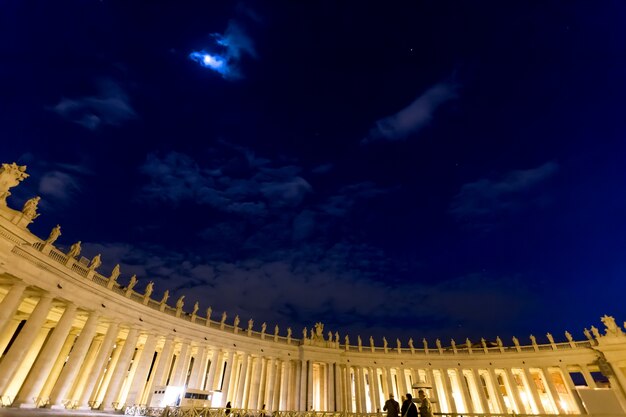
(330, 336)
(236, 321)
(347, 341)
(263, 327)
(499, 341)
(10, 176)
(209, 311)
(149, 289)
(54, 235)
(568, 336)
(166, 295)
(304, 333)
(438, 343)
(337, 337)
(319, 330)
(587, 334)
(30, 208)
(250, 324)
(371, 341)
(398, 343)
(276, 330)
(196, 307)
(411, 343)
(533, 340)
(115, 273)
(595, 332)
(95, 262)
(550, 337)
(385, 344)
(515, 341)
(223, 318)
(611, 327)
(359, 342)
(133, 282)
(289, 331)
(74, 250)
(468, 343)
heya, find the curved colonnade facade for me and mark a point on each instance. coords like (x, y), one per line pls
(71, 337)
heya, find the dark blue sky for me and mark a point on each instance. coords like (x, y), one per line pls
(416, 169)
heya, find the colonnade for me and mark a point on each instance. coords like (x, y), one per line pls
(72, 338)
(63, 355)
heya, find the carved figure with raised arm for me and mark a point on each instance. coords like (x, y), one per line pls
(10, 176)
(74, 250)
(319, 330)
(54, 235)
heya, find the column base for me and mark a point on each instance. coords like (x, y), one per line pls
(108, 409)
(84, 408)
(57, 407)
(27, 405)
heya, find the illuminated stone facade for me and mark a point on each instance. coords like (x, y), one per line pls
(73, 337)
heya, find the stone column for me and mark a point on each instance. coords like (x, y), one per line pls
(402, 382)
(199, 368)
(495, 386)
(285, 386)
(331, 387)
(115, 384)
(467, 398)
(164, 359)
(390, 389)
(253, 396)
(375, 387)
(361, 399)
(45, 361)
(13, 359)
(98, 366)
(135, 393)
(514, 390)
(556, 400)
(430, 378)
(530, 383)
(482, 398)
(58, 364)
(227, 374)
(9, 305)
(339, 388)
(309, 386)
(182, 365)
(302, 386)
(74, 362)
(271, 380)
(98, 395)
(210, 379)
(80, 381)
(242, 380)
(571, 389)
(447, 386)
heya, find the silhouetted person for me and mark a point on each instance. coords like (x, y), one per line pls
(228, 407)
(408, 408)
(391, 407)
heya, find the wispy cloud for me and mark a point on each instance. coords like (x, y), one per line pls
(335, 286)
(226, 51)
(110, 107)
(487, 197)
(249, 185)
(413, 118)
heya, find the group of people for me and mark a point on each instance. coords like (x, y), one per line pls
(409, 407)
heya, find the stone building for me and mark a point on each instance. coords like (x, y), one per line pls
(72, 337)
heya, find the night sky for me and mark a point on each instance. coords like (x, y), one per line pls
(402, 169)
